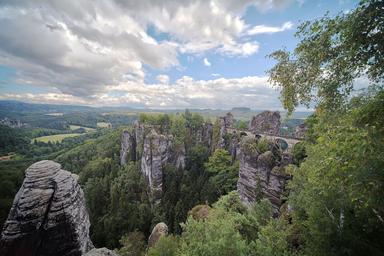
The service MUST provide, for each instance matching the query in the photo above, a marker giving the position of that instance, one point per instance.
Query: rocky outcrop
(178, 156)
(100, 252)
(301, 131)
(156, 154)
(154, 150)
(266, 122)
(262, 174)
(234, 146)
(206, 135)
(48, 215)
(226, 122)
(139, 132)
(161, 229)
(128, 147)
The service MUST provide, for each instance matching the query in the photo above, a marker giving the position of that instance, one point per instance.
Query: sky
(149, 53)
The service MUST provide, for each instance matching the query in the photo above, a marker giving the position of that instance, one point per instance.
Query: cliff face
(48, 216)
(206, 135)
(301, 131)
(128, 147)
(154, 150)
(156, 154)
(266, 122)
(226, 122)
(261, 175)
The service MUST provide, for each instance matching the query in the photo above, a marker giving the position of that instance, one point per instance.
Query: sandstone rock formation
(266, 122)
(100, 252)
(128, 147)
(234, 146)
(301, 130)
(161, 229)
(48, 215)
(154, 150)
(158, 151)
(206, 135)
(262, 174)
(226, 122)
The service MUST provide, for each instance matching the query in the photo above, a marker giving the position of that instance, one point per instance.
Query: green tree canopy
(332, 53)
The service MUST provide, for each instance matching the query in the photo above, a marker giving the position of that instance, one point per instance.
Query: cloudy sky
(148, 53)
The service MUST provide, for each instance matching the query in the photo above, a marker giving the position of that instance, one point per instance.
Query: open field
(103, 125)
(54, 114)
(56, 137)
(75, 127)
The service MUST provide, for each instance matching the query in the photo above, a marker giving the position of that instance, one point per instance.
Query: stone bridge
(290, 141)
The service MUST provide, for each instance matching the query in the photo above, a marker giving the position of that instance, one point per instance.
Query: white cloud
(240, 49)
(252, 91)
(84, 48)
(163, 79)
(206, 62)
(263, 29)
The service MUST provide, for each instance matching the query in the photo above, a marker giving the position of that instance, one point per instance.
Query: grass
(103, 125)
(75, 127)
(55, 138)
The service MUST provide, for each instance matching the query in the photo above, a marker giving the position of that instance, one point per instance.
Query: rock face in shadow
(226, 122)
(156, 154)
(266, 122)
(128, 147)
(154, 150)
(48, 216)
(161, 229)
(206, 135)
(261, 175)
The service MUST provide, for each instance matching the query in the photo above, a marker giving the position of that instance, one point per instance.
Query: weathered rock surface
(206, 135)
(161, 229)
(234, 146)
(48, 216)
(260, 176)
(101, 252)
(301, 131)
(154, 150)
(139, 131)
(128, 147)
(156, 153)
(266, 122)
(226, 122)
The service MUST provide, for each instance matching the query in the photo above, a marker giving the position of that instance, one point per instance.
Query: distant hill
(243, 109)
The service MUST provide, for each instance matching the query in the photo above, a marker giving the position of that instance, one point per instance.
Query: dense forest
(333, 203)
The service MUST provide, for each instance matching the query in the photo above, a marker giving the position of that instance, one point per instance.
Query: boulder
(48, 215)
(161, 229)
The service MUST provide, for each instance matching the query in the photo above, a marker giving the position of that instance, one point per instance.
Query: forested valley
(187, 183)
